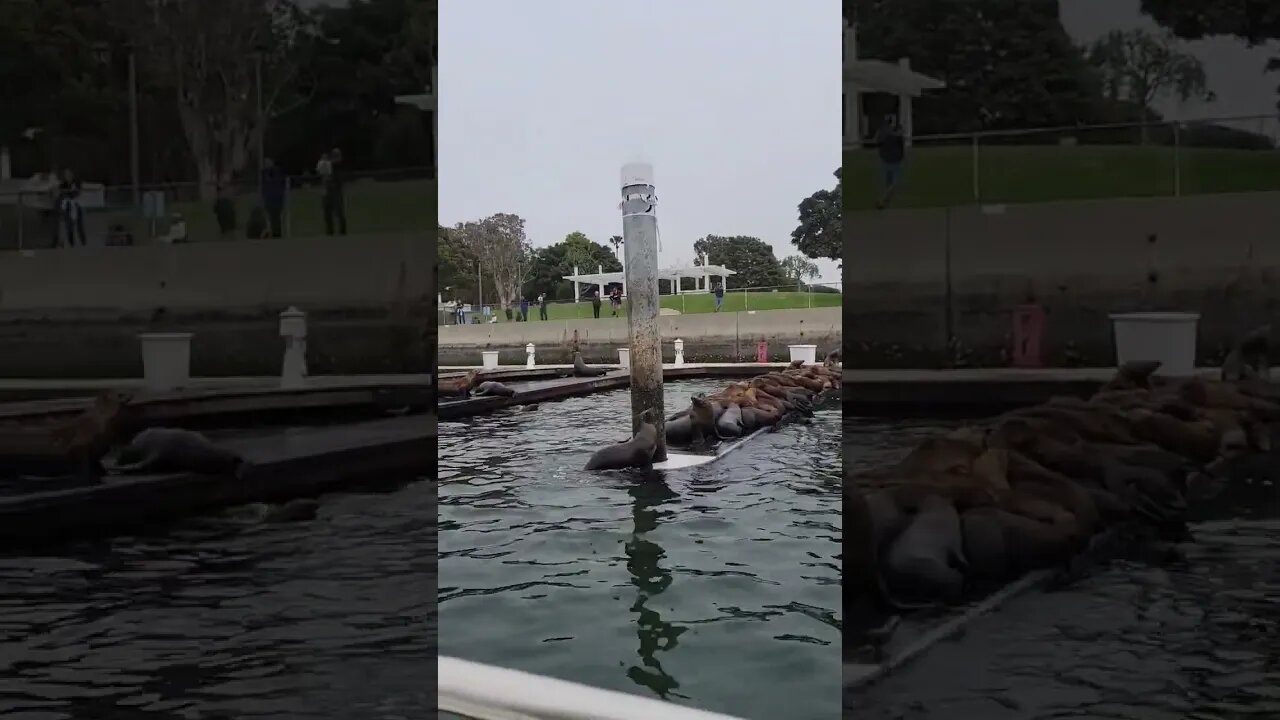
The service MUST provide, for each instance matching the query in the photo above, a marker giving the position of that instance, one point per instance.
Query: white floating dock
(485, 692)
(679, 460)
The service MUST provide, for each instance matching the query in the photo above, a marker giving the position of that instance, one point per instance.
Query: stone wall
(76, 312)
(915, 278)
(708, 337)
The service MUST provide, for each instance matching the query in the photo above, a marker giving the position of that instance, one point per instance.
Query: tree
(552, 263)
(820, 233)
(1140, 66)
(1254, 21)
(1006, 63)
(750, 258)
(499, 244)
(797, 269)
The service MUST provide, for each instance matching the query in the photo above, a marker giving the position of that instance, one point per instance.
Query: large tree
(1254, 21)
(750, 258)
(499, 245)
(820, 233)
(552, 263)
(797, 269)
(1139, 66)
(1006, 63)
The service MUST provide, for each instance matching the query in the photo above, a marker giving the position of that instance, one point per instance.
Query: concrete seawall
(916, 278)
(708, 337)
(75, 312)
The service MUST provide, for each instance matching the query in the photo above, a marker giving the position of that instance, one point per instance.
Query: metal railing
(1170, 158)
(753, 299)
(400, 200)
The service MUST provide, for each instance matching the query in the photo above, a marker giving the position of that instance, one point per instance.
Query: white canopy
(695, 271)
(887, 77)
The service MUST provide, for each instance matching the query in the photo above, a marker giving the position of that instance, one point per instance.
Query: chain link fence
(1210, 155)
(752, 299)
(35, 214)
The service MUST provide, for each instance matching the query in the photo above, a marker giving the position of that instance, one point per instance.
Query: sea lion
(494, 388)
(162, 450)
(832, 358)
(1248, 359)
(1000, 545)
(702, 422)
(926, 560)
(581, 369)
(454, 386)
(1133, 374)
(70, 447)
(796, 364)
(729, 422)
(636, 452)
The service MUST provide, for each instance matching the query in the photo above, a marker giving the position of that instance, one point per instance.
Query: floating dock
(224, 402)
(286, 463)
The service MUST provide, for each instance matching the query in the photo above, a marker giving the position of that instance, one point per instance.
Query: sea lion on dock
(703, 431)
(88, 437)
(581, 369)
(832, 358)
(926, 561)
(1133, 374)
(1248, 360)
(1000, 545)
(173, 450)
(729, 422)
(454, 386)
(636, 452)
(493, 388)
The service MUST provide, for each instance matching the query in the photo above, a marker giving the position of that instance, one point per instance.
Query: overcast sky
(1235, 71)
(736, 103)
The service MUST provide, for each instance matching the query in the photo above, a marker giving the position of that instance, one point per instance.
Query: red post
(762, 352)
(1028, 336)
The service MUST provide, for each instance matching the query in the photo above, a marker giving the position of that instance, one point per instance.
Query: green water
(715, 587)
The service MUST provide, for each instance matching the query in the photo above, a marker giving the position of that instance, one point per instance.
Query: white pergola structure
(426, 103)
(700, 273)
(865, 75)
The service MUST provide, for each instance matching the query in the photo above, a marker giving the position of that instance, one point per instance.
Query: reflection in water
(650, 578)
(1136, 638)
(714, 587)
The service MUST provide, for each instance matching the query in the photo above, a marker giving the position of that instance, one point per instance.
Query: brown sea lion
(636, 452)
(1248, 359)
(1133, 374)
(494, 388)
(702, 422)
(462, 385)
(581, 369)
(833, 358)
(926, 560)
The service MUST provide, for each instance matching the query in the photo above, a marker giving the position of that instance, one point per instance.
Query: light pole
(102, 54)
(261, 121)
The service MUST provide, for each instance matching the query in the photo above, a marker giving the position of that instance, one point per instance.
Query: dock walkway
(286, 463)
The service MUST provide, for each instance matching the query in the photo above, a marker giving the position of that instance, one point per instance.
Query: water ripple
(715, 586)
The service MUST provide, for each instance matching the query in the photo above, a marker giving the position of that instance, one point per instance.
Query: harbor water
(716, 587)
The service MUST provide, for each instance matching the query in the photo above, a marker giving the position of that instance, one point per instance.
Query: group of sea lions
(974, 508)
(470, 385)
(77, 446)
(744, 407)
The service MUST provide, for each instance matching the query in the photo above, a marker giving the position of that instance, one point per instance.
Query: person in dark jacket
(524, 309)
(273, 192)
(542, 306)
(335, 209)
(892, 148)
(595, 302)
(69, 206)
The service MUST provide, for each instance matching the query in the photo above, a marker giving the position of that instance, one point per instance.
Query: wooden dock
(286, 464)
(225, 402)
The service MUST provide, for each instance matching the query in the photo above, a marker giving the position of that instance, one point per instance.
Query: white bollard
(624, 357)
(528, 349)
(679, 352)
(293, 328)
(488, 359)
(804, 353)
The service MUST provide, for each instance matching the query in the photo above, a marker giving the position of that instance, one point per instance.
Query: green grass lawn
(689, 304)
(372, 207)
(1037, 173)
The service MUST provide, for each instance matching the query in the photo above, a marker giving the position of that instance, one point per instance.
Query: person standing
(615, 299)
(892, 148)
(524, 309)
(542, 306)
(331, 175)
(69, 205)
(595, 302)
(459, 312)
(506, 308)
(273, 191)
(718, 291)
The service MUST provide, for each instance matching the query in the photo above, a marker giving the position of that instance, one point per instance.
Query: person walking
(71, 210)
(524, 309)
(331, 175)
(718, 291)
(892, 148)
(595, 302)
(542, 306)
(273, 191)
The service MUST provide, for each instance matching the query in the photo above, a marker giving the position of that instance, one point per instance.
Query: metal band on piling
(640, 241)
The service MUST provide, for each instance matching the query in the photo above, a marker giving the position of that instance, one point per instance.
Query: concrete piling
(640, 240)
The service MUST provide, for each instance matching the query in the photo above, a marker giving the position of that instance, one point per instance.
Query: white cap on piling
(637, 173)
